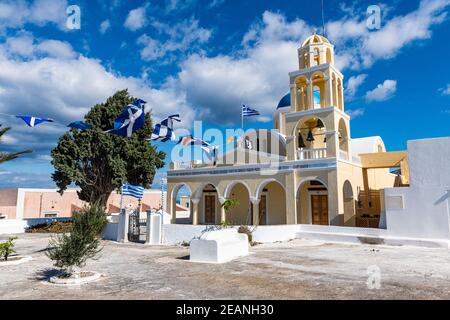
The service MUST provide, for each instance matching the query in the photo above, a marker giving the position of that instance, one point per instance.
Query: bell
(310, 136)
(325, 140)
(319, 124)
(301, 143)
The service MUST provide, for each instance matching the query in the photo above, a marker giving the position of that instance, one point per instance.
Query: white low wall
(176, 233)
(267, 234)
(111, 231)
(418, 212)
(12, 226)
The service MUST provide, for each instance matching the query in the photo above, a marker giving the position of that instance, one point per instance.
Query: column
(309, 95)
(291, 197)
(223, 214)
(148, 227)
(173, 210)
(328, 91)
(366, 190)
(255, 205)
(294, 97)
(195, 213)
(122, 227)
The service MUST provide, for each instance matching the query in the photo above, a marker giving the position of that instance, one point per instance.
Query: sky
(204, 59)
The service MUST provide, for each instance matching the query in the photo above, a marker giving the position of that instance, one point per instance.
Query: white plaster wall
(111, 231)
(429, 162)
(267, 234)
(12, 226)
(176, 233)
(425, 212)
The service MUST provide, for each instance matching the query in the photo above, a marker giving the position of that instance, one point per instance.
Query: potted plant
(72, 250)
(6, 252)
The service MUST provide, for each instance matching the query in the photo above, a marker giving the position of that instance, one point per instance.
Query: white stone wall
(422, 210)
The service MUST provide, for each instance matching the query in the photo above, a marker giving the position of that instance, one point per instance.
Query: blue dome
(285, 101)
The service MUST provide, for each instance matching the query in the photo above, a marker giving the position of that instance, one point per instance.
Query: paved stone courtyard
(297, 269)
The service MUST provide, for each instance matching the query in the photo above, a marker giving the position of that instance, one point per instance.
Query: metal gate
(136, 227)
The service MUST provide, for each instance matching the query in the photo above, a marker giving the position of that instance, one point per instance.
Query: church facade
(307, 171)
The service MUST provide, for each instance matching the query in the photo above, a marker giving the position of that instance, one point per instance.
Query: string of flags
(164, 130)
(132, 118)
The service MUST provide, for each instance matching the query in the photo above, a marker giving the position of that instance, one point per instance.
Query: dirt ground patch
(297, 269)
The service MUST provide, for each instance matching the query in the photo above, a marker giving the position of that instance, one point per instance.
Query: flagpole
(242, 117)
(121, 197)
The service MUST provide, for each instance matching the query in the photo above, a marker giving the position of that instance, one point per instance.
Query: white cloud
(257, 76)
(360, 47)
(25, 46)
(445, 91)
(183, 37)
(136, 19)
(355, 113)
(104, 26)
(179, 5)
(65, 89)
(17, 13)
(383, 91)
(353, 84)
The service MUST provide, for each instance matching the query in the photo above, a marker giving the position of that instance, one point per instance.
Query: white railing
(343, 155)
(189, 165)
(308, 154)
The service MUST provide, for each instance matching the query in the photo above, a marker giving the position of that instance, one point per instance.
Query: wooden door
(210, 209)
(263, 210)
(319, 209)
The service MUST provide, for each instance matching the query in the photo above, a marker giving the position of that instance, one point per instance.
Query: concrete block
(219, 246)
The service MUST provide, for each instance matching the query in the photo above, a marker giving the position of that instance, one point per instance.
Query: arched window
(316, 56)
(317, 97)
(329, 57)
(340, 96)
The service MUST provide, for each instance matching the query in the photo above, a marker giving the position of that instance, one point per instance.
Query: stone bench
(219, 246)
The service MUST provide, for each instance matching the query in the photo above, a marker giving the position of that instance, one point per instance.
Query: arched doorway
(209, 205)
(181, 205)
(349, 204)
(343, 140)
(242, 213)
(312, 203)
(272, 203)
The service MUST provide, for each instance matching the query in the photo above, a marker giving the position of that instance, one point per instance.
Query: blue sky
(203, 59)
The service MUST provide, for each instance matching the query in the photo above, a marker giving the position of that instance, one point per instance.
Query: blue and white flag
(131, 119)
(248, 112)
(33, 121)
(133, 191)
(79, 125)
(191, 141)
(164, 131)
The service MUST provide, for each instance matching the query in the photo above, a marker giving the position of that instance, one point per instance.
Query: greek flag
(79, 125)
(248, 112)
(164, 131)
(191, 141)
(133, 191)
(33, 121)
(130, 120)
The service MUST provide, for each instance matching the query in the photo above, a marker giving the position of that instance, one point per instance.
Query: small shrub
(224, 225)
(246, 230)
(81, 244)
(7, 248)
(185, 243)
(54, 227)
(229, 204)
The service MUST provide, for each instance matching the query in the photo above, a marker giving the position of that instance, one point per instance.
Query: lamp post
(163, 189)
